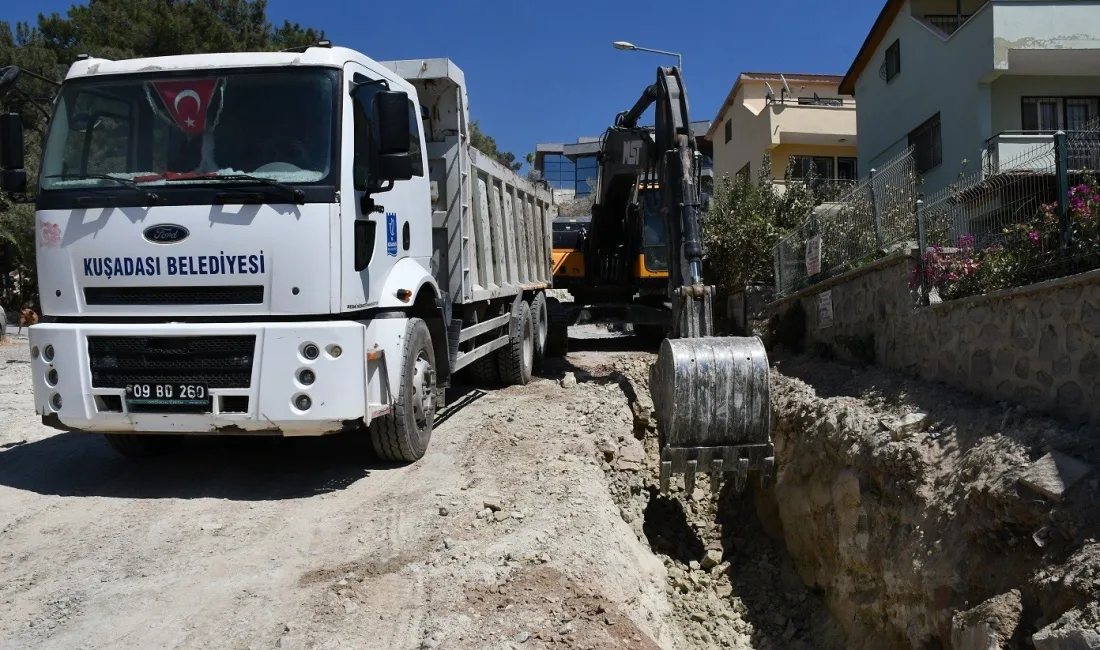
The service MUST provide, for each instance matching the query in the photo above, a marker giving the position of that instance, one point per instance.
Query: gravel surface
(505, 535)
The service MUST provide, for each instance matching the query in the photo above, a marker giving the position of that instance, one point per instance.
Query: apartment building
(802, 118)
(973, 80)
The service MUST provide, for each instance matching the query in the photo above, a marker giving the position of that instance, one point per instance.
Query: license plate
(168, 394)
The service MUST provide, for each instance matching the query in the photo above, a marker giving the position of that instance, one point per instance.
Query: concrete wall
(1044, 25)
(1038, 346)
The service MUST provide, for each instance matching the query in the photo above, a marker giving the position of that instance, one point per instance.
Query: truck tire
(557, 330)
(484, 370)
(139, 445)
(542, 326)
(516, 359)
(403, 433)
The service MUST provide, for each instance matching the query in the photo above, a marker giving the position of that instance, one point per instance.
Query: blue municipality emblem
(391, 234)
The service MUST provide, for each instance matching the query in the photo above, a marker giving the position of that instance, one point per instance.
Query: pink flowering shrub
(1029, 251)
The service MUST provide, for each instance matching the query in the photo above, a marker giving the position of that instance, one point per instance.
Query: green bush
(745, 222)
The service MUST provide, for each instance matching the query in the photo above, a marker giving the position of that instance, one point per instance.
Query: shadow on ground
(244, 468)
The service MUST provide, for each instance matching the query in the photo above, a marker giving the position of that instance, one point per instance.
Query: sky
(547, 71)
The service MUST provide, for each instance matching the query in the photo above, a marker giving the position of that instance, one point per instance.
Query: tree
(114, 29)
(488, 146)
(745, 222)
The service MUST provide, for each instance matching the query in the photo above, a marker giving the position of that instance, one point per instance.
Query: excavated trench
(871, 538)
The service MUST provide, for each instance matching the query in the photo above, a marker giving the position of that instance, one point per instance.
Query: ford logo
(166, 233)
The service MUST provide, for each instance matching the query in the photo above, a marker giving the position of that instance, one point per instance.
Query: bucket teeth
(766, 475)
(742, 474)
(666, 474)
(689, 477)
(715, 475)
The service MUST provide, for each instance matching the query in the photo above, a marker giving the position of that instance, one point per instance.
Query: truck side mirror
(395, 158)
(13, 176)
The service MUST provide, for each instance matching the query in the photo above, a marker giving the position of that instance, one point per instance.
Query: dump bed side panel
(490, 227)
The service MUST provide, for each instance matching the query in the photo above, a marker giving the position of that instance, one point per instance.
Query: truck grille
(218, 361)
(231, 295)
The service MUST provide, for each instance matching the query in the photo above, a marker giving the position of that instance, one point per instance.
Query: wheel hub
(423, 385)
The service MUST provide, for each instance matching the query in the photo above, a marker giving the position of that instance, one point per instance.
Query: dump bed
(491, 228)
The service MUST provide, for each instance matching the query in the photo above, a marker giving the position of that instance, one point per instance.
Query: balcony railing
(827, 190)
(1033, 151)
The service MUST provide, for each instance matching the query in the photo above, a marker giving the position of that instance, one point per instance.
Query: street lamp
(626, 45)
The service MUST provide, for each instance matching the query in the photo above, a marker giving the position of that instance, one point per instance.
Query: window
(822, 166)
(892, 66)
(414, 143)
(559, 171)
(276, 124)
(847, 169)
(743, 174)
(925, 140)
(1053, 113)
(588, 172)
(729, 129)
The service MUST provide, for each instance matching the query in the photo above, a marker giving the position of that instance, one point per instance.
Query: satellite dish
(8, 77)
(771, 93)
(786, 88)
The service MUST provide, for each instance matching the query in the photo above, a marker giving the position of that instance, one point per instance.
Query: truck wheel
(516, 359)
(403, 433)
(542, 327)
(557, 330)
(485, 371)
(138, 445)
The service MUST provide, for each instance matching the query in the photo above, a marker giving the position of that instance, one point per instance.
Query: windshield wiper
(126, 182)
(297, 195)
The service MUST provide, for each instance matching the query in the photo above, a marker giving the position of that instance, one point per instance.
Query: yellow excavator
(642, 255)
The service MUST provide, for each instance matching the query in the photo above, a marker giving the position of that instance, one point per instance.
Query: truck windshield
(155, 130)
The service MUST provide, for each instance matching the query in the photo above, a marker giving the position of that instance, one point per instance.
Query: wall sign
(825, 309)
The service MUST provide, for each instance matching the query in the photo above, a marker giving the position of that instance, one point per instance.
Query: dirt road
(506, 534)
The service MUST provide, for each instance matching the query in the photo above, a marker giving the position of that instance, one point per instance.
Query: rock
(608, 450)
(988, 626)
(350, 606)
(1077, 629)
(484, 514)
(494, 503)
(712, 559)
(522, 637)
(909, 425)
(500, 515)
(693, 565)
(790, 631)
(517, 515)
(698, 495)
(780, 619)
(569, 380)
(443, 512)
(1053, 474)
(447, 543)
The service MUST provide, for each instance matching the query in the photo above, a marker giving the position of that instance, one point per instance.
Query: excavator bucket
(712, 399)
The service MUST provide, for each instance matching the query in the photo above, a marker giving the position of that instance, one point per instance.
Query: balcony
(1033, 151)
(815, 120)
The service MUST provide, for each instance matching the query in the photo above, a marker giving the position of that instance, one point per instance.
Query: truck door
(399, 226)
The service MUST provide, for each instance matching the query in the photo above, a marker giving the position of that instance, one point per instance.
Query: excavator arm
(711, 394)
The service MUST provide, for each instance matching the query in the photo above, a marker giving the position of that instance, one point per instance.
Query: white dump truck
(295, 243)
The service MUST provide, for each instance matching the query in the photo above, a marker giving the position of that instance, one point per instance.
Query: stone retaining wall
(1038, 345)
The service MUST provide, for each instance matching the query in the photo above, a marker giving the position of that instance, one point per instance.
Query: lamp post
(624, 45)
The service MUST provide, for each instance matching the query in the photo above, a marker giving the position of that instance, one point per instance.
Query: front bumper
(266, 404)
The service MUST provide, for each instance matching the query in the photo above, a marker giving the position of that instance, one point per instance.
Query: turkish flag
(187, 101)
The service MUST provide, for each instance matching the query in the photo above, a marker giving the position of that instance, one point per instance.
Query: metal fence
(1026, 217)
(869, 220)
